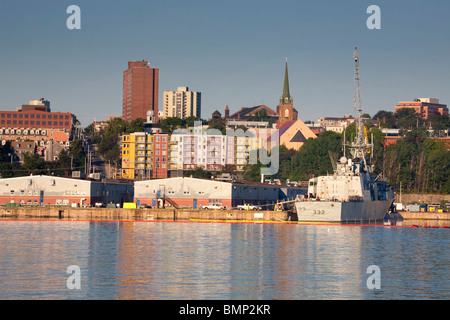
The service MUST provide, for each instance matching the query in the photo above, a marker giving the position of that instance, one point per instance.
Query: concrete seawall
(410, 215)
(140, 214)
(172, 214)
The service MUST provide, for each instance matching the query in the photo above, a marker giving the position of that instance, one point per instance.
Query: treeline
(418, 164)
(108, 139)
(407, 119)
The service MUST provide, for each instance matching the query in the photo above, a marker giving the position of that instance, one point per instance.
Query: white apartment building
(189, 149)
(181, 103)
(337, 125)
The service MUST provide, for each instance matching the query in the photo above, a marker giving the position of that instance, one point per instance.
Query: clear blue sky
(231, 51)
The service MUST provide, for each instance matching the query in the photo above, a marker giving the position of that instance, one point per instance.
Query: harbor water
(192, 260)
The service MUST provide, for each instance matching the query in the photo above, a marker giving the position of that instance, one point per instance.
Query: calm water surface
(152, 260)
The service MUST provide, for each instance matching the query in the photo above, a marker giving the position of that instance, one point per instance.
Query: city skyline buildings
(237, 50)
(182, 103)
(140, 90)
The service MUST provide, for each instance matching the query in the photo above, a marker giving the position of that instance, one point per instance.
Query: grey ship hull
(331, 211)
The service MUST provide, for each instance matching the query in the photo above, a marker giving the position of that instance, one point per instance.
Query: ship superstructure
(351, 192)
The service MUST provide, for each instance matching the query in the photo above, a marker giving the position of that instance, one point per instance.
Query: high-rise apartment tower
(140, 90)
(181, 103)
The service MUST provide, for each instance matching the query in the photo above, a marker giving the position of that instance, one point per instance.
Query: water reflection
(147, 260)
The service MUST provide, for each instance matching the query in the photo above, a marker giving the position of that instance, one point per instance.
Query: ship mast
(359, 145)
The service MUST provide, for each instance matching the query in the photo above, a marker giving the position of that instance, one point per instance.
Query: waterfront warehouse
(195, 193)
(50, 190)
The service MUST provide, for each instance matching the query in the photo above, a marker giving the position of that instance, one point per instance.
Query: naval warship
(351, 193)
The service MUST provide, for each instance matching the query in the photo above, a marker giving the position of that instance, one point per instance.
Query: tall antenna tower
(360, 145)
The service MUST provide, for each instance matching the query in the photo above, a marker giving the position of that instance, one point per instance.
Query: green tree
(218, 124)
(438, 122)
(198, 172)
(418, 163)
(169, 125)
(408, 118)
(313, 158)
(34, 164)
(135, 125)
(386, 119)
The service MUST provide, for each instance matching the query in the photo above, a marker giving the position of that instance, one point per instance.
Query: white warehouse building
(194, 192)
(51, 190)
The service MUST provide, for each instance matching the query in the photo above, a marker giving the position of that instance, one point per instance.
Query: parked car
(214, 207)
(248, 207)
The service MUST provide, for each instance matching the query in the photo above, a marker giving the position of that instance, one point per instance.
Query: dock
(172, 214)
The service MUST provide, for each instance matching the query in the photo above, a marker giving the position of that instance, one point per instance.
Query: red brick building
(140, 90)
(160, 155)
(35, 119)
(424, 107)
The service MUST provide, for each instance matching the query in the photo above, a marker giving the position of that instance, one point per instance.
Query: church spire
(286, 84)
(286, 97)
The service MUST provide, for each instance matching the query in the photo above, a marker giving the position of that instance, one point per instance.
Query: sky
(233, 52)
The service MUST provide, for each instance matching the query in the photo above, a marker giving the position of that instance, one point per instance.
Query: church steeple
(285, 108)
(286, 98)
(286, 83)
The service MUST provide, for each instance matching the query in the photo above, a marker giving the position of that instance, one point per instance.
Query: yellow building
(137, 156)
(242, 149)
